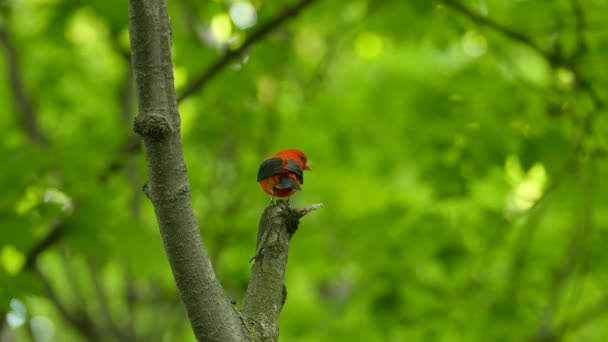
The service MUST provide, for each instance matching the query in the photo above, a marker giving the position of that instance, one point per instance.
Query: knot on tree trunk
(152, 125)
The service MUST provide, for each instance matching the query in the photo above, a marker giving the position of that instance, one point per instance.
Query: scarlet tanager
(282, 174)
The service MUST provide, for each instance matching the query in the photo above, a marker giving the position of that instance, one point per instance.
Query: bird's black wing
(270, 167)
(295, 168)
(287, 182)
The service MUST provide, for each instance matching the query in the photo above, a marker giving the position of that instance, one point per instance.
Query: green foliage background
(462, 167)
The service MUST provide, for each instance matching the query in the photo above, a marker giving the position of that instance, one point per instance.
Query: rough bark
(266, 292)
(212, 315)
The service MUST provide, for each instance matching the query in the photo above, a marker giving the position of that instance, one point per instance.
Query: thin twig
(520, 37)
(523, 241)
(579, 50)
(23, 103)
(261, 33)
(579, 29)
(102, 299)
(79, 320)
(126, 98)
(191, 20)
(595, 312)
(579, 237)
(131, 146)
(130, 293)
(586, 86)
(51, 238)
(72, 280)
(309, 209)
(554, 58)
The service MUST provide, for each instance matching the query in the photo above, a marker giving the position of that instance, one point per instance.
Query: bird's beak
(308, 166)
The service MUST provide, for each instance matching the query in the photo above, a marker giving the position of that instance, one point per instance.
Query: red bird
(282, 174)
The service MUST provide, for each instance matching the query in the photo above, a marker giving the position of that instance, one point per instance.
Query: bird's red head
(297, 155)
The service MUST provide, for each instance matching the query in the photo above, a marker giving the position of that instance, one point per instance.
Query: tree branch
(189, 11)
(260, 34)
(525, 238)
(130, 147)
(579, 236)
(23, 103)
(595, 312)
(109, 324)
(79, 320)
(520, 37)
(579, 50)
(266, 292)
(579, 28)
(554, 58)
(50, 239)
(212, 315)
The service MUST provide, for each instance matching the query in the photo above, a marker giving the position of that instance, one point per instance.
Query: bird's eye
(303, 157)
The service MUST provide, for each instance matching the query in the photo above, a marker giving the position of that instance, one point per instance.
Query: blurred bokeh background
(459, 147)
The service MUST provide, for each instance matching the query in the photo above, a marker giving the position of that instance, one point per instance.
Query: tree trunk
(213, 316)
(211, 313)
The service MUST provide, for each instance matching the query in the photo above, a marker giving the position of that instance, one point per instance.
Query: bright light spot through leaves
(353, 11)
(267, 91)
(369, 45)
(310, 46)
(42, 328)
(513, 172)
(180, 75)
(474, 44)
(221, 27)
(565, 78)
(16, 317)
(85, 29)
(243, 15)
(12, 259)
(527, 187)
(56, 196)
(30, 200)
(531, 67)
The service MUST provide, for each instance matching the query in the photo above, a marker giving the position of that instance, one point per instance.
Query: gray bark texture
(266, 292)
(212, 315)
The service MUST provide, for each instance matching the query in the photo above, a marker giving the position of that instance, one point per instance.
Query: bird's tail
(287, 182)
